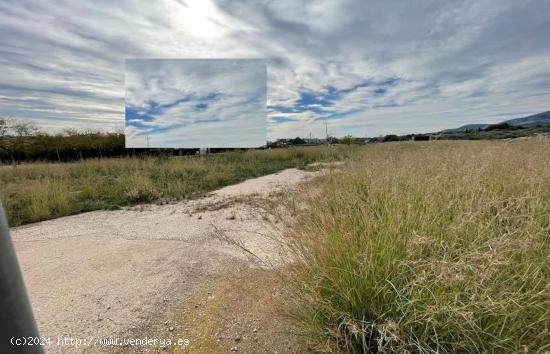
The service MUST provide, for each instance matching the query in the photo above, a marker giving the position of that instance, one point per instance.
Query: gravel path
(111, 273)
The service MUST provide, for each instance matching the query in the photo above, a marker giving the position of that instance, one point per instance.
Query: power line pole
(326, 130)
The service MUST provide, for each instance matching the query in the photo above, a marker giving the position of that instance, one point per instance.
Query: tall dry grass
(38, 192)
(436, 247)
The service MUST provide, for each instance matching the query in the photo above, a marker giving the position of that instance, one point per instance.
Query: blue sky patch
(282, 119)
(192, 103)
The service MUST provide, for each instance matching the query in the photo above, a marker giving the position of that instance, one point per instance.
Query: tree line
(23, 141)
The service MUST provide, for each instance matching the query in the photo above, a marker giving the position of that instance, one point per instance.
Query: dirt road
(173, 271)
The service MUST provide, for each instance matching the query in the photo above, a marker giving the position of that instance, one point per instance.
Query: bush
(348, 140)
(391, 137)
(297, 141)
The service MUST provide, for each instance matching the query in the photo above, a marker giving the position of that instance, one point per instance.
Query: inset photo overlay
(195, 103)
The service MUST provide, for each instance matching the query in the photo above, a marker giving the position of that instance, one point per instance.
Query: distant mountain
(465, 128)
(539, 119)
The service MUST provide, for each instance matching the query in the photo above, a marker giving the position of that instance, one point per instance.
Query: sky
(195, 103)
(365, 67)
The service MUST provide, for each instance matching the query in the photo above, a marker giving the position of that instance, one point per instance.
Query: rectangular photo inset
(195, 103)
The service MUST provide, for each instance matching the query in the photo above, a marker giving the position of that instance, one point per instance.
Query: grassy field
(435, 247)
(419, 247)
(38, 192)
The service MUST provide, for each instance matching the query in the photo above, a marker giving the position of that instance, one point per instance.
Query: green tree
(297, 141)
(348, 140)
(15, 135)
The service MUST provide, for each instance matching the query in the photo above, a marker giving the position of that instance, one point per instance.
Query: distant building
(421, 137)
(315, 141)
(362, 140)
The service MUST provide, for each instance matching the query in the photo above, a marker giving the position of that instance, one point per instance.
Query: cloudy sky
(367, 67)
(190, 103)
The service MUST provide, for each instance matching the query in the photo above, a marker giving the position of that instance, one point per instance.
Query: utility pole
(326, 130)
(147, 139)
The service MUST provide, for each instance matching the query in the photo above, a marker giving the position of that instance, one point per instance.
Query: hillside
(536, 120)
(466, 128)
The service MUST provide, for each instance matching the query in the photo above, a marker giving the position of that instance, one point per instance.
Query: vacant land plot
(420, 247)
(38, 192)
(438, 247)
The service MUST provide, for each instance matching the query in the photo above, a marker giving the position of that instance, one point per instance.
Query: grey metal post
(16, 318)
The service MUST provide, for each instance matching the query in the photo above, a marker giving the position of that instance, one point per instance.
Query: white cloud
(457, 62)
(190, 103)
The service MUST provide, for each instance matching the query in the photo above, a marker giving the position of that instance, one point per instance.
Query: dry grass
(38, 192)
(438, 247)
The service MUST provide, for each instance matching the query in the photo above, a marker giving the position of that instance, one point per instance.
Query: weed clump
(439, 247)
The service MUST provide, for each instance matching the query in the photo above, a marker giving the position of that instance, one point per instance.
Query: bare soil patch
(162, 270)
